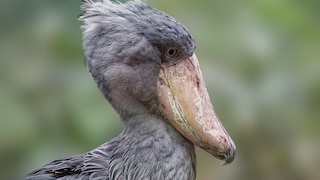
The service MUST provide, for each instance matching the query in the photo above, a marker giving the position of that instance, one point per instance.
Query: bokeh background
(260, 60)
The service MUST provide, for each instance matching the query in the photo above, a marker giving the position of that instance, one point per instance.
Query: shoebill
(144, 63)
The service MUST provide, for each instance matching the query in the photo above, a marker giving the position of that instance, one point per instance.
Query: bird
(144, 63)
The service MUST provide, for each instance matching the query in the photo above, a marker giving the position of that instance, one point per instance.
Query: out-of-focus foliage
(260, 60)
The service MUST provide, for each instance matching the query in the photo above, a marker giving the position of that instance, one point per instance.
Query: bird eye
(171, 52)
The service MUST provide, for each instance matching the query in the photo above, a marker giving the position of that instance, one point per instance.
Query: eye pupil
(171, 52)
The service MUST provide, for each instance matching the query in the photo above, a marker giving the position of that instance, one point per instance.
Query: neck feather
(151, 148)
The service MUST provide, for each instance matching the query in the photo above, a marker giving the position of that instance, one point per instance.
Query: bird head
(143, 61)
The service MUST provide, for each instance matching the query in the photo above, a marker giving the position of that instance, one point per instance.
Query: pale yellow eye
(171, 52)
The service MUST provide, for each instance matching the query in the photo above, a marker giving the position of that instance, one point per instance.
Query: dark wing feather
(93, 165)
(62, 169)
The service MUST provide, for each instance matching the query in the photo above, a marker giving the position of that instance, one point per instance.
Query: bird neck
(151, 147)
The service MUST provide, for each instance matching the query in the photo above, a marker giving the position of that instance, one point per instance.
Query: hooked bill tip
(230, 155)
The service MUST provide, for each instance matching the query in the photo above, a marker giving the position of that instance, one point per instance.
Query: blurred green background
(260, 60)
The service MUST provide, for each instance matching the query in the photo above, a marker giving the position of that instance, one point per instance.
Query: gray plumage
(124, 46)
